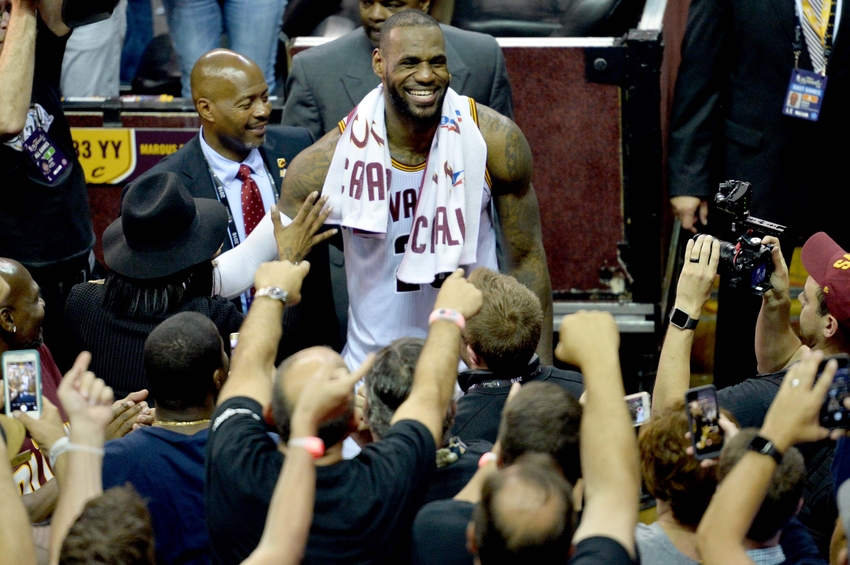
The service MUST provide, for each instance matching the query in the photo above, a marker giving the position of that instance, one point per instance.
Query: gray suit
(327, 81)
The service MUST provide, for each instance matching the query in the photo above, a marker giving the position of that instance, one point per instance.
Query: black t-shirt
(749, 401)
(42, 224)
(600, 550)
(364, 507)
(439, 533)
(479, 410)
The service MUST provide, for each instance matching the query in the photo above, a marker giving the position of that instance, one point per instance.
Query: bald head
(292, 377)
(525, 514)
(22, 311)
(217, 71)
(232, 100)
(15, 276)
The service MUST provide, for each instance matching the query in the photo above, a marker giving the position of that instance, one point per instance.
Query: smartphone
(704, 421)
(833, 414)
(22, 381)
(639, 407)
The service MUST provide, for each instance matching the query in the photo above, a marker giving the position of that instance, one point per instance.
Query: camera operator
(824, 321)
(44, 216)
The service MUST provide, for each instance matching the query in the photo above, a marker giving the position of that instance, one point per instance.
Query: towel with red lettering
(449, 204)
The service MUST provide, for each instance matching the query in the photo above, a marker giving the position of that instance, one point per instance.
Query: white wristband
(448, 315)
(64, 445)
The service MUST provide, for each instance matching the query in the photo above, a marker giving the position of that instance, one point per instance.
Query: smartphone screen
(22, 382)
(833, 414)
(639, 407)
(703, 419)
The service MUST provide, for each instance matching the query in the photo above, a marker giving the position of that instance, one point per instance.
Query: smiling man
(419, 178)
(327, 81)
(236, 158)
(239, 159)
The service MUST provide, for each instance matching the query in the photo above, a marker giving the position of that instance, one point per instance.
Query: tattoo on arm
(521, 240)
(307, 174)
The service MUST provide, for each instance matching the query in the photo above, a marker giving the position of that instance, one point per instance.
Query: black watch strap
(682, 319)
(765, 447)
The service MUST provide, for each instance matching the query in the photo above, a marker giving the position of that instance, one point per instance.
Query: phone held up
(639, 407)
(704, 421)
(833, 414)
(22, 382)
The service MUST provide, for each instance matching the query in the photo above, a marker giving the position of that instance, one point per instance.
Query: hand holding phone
(22, 382)
(704, 421)
(833, 414)
(639, 407)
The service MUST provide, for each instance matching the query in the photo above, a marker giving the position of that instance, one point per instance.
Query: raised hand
(458, 294)
(85, 398)
(586, 336)
(285, 275)
(779, 279)
(793, 416)
(702, 257)
(296, 240)
(328, 395)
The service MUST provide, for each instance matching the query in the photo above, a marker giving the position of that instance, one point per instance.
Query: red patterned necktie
(252, 202)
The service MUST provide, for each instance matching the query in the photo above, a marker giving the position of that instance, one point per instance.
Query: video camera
(747, 261)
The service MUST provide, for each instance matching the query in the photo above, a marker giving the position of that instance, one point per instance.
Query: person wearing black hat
(160, 254)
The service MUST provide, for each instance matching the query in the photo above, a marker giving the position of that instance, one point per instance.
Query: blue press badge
(47, 157)
(805, 95)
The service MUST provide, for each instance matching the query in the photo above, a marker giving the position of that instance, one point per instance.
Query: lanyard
(222, 197)
(495, 383)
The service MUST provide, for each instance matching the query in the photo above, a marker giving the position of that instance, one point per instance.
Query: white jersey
(382, 308)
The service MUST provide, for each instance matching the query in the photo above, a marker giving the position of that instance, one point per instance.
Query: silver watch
(273, 292)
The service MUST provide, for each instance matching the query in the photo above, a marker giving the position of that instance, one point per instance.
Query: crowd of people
(237, 390)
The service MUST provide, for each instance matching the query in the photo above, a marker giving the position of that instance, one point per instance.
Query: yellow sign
(107, 155)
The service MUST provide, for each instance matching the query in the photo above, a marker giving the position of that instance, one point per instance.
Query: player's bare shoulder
(508, 153)
(306, 174)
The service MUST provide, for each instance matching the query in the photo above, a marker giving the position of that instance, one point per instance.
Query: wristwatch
(682, 319)
(273, 292)
(765, 447)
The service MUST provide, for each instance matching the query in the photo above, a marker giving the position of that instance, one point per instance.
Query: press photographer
(824, 326)
(44, 218)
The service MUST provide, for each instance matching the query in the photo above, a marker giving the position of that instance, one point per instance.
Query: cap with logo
(829, 266)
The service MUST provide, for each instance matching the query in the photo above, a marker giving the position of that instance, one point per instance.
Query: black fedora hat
(162, 229)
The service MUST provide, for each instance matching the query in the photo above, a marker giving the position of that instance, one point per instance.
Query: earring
(14, 329)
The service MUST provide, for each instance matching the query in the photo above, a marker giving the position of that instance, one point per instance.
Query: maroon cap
(829, 265)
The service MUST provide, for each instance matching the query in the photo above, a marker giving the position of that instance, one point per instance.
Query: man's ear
(475, 359)
(425, 5)
(471, 545)
(268, 415)
(203, 107)
(7, 319)
(378, 63)
(830, 327)
(219, 377)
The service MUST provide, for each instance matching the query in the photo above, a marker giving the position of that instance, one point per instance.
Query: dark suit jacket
(727, 120)
(313, 322)
(327, 81)
(281, 143)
